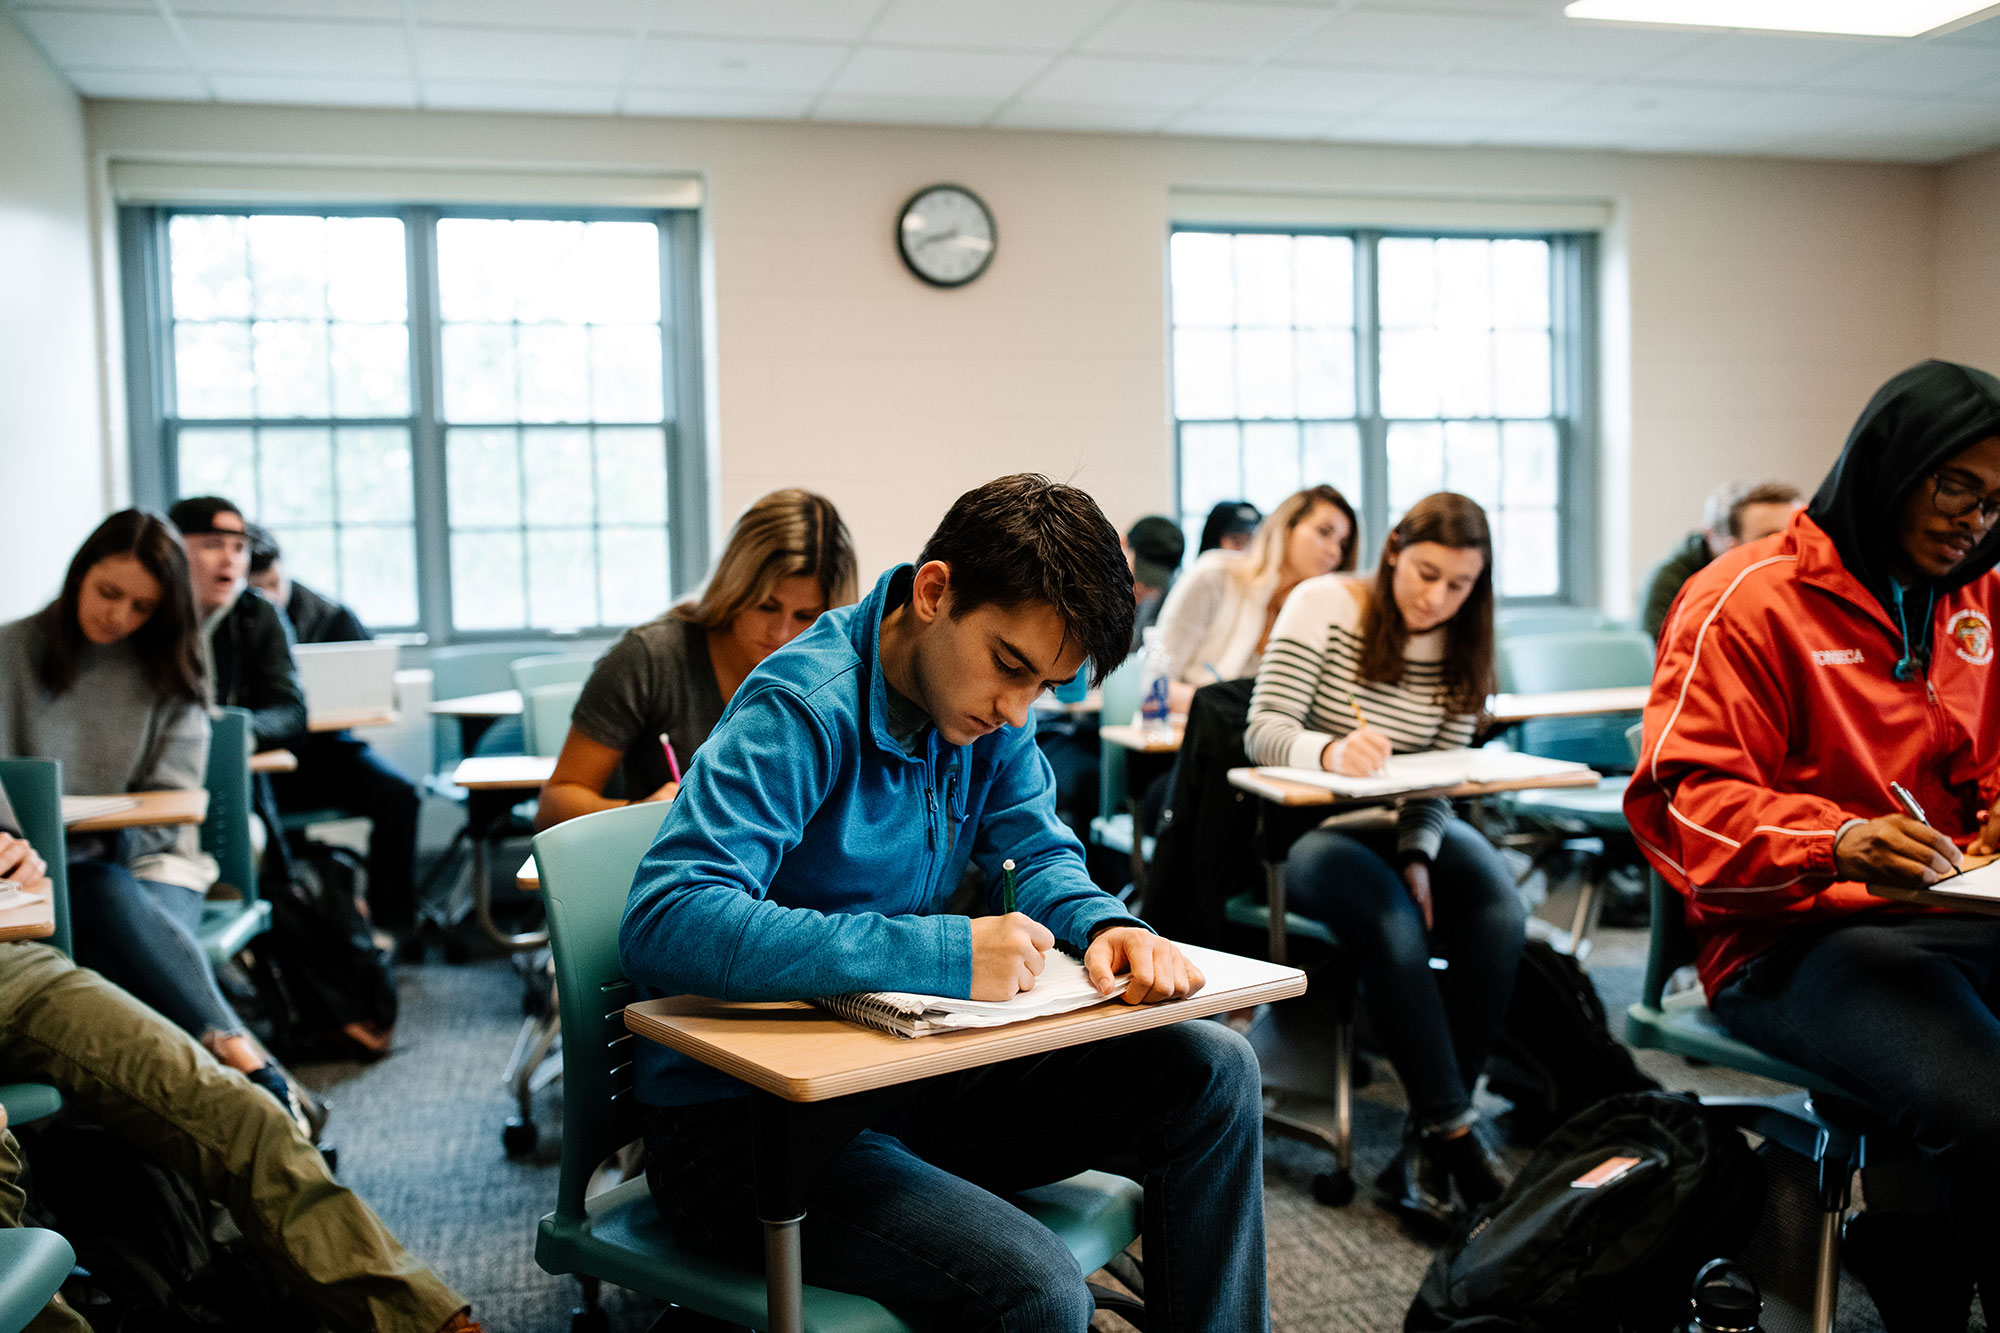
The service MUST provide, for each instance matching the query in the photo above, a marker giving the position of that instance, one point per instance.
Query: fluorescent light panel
(1866, 18)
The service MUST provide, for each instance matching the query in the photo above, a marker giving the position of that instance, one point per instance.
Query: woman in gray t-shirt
(667, 682)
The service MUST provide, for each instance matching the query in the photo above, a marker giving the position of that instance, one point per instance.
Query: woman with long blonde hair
(1218, 617)
(665, 683)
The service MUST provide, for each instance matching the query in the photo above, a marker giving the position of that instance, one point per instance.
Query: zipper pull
(1930, 689)
(930, 825)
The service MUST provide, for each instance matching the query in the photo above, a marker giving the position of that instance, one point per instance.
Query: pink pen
(673, 760)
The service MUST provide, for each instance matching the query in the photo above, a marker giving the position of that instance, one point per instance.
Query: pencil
(673, 760)
(1355, 704)
(1007, 890)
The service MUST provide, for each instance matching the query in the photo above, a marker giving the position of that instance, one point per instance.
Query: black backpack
(325, 987)
(1675, 1188)
(1555, 1056)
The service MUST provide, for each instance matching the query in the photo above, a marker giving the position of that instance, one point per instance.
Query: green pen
(1007, 887)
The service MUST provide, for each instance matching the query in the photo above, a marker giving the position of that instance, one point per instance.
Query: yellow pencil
(1355, 703)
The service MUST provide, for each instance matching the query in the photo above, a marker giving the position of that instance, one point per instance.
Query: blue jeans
(141, 936)
(1901, 1011)
(1437, 1028)
(910, 1213)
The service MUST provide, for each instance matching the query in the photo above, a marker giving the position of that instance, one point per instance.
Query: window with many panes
(1390, 366)
(458, 424)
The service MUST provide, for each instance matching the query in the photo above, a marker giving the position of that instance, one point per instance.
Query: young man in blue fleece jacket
(811, 851)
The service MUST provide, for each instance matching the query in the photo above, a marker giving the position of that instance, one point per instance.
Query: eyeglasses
(1955, 500)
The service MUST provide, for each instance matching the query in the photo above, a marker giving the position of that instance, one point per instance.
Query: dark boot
(1471, 1165)
(1417, 1188)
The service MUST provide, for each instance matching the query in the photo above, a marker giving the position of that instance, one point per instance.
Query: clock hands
(933, 240)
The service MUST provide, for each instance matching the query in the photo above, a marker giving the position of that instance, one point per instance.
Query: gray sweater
(111, 731)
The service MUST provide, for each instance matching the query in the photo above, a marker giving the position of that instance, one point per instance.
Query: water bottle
(1155, 671)
(1725, 1299)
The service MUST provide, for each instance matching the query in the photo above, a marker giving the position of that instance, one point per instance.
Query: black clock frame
(992, 227)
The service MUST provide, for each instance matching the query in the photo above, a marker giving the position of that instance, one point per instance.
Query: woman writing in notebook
(108, 680)
(652, 700)
(1359, 669)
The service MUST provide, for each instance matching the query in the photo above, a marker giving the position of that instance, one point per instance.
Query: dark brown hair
(168, 644)
(1453, 520)
(1024, 539)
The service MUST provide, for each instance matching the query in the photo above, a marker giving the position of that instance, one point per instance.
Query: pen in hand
(1008, 892)
(1915, 811)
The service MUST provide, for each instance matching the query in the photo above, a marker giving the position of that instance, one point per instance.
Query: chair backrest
(1547, 620)
(1576, 660)
(473, 669)
(545, 711)
(1669, 945)
(551, 669)
(34, 789)
(1119, 705)
(587, 866)
(225, 830)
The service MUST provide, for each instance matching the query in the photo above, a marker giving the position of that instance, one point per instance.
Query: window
(461, 424)
(1390, 366)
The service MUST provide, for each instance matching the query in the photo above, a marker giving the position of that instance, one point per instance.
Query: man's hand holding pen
(1897, 850)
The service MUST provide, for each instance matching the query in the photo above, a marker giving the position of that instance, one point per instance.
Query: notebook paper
(76, 809)
(1428, 770)
(1062, 986)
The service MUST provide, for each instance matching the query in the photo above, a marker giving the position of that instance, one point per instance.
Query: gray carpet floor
(419, 1138)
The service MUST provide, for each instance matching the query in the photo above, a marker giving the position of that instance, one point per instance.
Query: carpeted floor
(419, 1138)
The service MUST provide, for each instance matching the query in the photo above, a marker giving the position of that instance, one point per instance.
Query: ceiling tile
(519, 95)
(1089, 79)
(381, 11)
(1588, 50)
(1246, 124)
(295, 89)
(105, 41)
(258, 46)
(694, 62)
(950, 75)
(1330, 91)
(763, 105)
(611, 15)
(1199, 28)
(1760, 60)
(1473, 96)
(1087, 116)
(1444, 131)
(1643, 106)
(143, 85)
(878, 110)
(482, 55)
(1917, 69)
(794, 20)
(1427, 42)
(1018, 25)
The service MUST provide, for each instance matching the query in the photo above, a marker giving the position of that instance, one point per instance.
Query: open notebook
(1062, 987)
(1429, 770)
(1980, 878)
(76, 809)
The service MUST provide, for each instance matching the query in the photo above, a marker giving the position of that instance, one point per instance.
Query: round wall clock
(946, 235)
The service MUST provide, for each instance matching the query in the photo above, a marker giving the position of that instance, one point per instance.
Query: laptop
(347, 677)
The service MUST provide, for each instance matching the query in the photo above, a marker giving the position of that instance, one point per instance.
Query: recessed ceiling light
(1867, 18)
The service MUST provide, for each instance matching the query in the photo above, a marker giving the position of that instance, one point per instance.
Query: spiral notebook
(1432, 770)
(1062, 987)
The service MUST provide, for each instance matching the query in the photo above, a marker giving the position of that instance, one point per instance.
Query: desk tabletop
(1133, 737)
(342, 719)
(147, 808)
(274, 761)
(1091, 702)
(528, 879)
(498, 703)
(1282, 791)
(492, 772)
(29, 921)
(1507, 709)
(804, 1054)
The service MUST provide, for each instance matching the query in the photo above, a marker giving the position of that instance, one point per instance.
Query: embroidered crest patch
(1971, 637)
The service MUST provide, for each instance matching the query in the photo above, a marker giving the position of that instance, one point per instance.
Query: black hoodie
(1916, 422)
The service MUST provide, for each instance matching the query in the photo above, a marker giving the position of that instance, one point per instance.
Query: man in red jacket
(1798, 677)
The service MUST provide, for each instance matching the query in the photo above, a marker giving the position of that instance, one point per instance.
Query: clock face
(946, 235)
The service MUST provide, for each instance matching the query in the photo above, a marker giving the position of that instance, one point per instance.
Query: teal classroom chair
(1518, 621)
(545, 711)
(587, 866)
(1115, 826)
(466, 669)
(34, 789)
(551, 669)
(33, 1266)
(228, 924)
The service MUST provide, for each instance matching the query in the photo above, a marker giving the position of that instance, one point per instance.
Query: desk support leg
(784, 1289)
(482, 881)
(1274, 897)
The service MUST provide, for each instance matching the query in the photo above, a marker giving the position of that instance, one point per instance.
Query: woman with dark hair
(1359, 669)
(107, 679)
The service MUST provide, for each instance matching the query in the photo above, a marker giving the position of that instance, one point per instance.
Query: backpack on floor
(1604, 1228)
(1555, 1055)
(326, 987)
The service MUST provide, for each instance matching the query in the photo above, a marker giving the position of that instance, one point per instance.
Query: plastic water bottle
(1725, 1299)
(1155, 671)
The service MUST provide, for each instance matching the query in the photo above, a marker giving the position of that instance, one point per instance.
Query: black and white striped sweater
(1300, 704)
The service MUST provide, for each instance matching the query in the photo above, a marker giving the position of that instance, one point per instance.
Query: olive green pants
(122, 1067)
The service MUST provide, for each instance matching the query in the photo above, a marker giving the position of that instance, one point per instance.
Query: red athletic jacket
(1776, 716)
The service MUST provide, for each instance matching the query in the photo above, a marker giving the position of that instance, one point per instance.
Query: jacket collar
(891, 590)
(1819, 564)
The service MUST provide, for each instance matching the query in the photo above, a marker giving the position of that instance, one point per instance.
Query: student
(1229, 527)
(1412, 650)
(107, 679)
(811, 851)
(788, 560)
(1736, 514)
(1153, 549)
(337, 770)
(1797, 679)
(1217, 620)
(121, 1066)
(245, 640)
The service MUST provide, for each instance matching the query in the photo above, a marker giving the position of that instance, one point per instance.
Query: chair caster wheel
(1335, 1189)
(593, 1320)
(518, 1137)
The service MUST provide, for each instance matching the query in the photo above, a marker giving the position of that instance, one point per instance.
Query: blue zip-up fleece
(808, 854)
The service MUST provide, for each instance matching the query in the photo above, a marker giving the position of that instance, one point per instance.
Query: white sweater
(1212, 618)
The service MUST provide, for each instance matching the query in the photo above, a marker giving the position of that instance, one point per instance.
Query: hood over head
(1916, 422)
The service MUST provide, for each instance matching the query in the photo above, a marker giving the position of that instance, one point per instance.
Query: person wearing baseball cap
(1230, 526)
(1153, 546)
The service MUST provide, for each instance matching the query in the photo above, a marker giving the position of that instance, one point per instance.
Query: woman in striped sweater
(1411, 651)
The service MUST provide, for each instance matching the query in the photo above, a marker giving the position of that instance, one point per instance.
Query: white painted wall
(52, 469)
(1751, 305)
(1968, 262)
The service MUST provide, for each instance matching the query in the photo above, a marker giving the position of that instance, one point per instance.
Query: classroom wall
(52, 446)
(1751, 305)
(1968, 262)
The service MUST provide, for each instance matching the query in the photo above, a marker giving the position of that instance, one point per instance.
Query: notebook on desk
(76, 809)
(1429, 770)
(347, 677)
